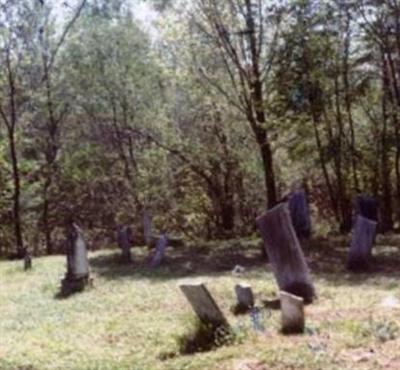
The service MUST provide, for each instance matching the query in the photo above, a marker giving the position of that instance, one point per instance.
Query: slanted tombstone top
(292, 307)
(300, 213)
(362, 241)
(285, 253)
(204, 305)
(162, 243)
(366, 206)
(77, 260)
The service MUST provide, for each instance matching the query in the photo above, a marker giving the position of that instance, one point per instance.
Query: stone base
(71, 285)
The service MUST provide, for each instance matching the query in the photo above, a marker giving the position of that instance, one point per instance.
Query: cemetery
(199, 184)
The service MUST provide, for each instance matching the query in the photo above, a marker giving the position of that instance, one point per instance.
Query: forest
(199, 184)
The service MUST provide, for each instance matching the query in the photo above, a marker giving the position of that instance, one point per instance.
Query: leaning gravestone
(292, 313)
(77, 276)
(285, 253)
(162, 243)
(245, 298)
(204, 306)
(124, 239)
(300, 214)
(366, 206)
(362, 241)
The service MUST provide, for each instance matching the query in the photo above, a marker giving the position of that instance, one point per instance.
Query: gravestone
(204, 306)
(77, 276)
(300, 214)
(245, 298)
(124, 239)
(366, 206)
(27, 261)
(162, 243)
(147, 228)
(285, 253)
(292, 313)
(362, 241)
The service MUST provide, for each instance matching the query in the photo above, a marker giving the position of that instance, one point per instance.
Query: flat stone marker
(245, 298)
(204, 305)
(292, 307)
(124, 239)
(300, 214)
(162, 243)
(77, 276)
(362, 241)
(285, 253)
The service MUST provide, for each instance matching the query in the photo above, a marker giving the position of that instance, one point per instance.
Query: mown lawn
(136, 318)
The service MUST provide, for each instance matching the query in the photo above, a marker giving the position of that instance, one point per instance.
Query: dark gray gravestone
(204, 306)
(77, 276)
(362, 241)
(285, 253)
(292, 313)
(245, 298)
(162, 243)
(300, 213)
(124, 239)
(366, 206)
(147, 228)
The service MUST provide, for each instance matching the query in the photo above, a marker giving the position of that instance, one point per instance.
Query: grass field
(136, 318)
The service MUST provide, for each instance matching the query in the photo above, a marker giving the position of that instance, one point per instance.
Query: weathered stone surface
(245, 298)
(204, 305)
(362, 241)
(300, 213)
(77, 276)
(366, 206)
(285, 253)
(124, 239)
(162, 243)
(292, 308)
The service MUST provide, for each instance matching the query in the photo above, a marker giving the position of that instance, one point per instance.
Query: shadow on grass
(327, 259)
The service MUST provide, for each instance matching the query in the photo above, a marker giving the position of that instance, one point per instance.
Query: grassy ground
(135, 318)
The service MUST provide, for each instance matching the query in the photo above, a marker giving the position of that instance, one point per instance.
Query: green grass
(136, 318)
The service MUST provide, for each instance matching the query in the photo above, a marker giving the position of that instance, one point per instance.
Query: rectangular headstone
(362, 241)
(292, 313)
(162, 243)
(300, 213)
(285, 253)
(204, 305)
(245, 298)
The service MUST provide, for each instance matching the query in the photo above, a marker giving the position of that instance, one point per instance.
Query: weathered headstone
(300, 214)
(245, 298)
(366, 206)
(147, 228)
(362, 241)
(77, 276)
(162, 243)
(204, 306)
(124, 239)
(285, 253)
(292, 313)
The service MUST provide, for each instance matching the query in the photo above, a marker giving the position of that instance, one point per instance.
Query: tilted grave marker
(161, 245)
(204, 306)
(300, 213)
(285, 253)
(292, 307)
(362, 241)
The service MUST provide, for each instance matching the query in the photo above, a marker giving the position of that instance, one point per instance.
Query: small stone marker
(124, 239)
(361, 245)
(245, 298)
(300, 214)
(162, 243)
(77, 276)
(292, 313)
(285, 253)
(204, 305)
